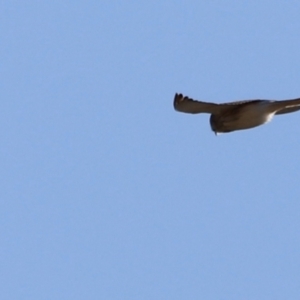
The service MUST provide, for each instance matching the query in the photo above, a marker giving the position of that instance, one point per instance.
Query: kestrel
(231, 116)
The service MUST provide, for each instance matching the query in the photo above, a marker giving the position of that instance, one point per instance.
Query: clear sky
(107, 192)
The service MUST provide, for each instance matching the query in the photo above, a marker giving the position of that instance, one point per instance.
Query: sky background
(107, 192)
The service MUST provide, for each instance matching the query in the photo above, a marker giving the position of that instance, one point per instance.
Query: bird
(238, 115)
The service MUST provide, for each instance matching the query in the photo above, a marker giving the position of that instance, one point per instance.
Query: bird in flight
(231, 116)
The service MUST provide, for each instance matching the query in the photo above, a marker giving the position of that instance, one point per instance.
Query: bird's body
(240, 115)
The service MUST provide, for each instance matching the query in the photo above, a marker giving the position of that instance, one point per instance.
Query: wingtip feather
(177, 99)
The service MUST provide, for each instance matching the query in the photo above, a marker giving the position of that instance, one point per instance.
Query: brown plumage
(231, 116)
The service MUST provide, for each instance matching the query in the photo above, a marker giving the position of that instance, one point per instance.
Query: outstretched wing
(188, 105)
(290, 106)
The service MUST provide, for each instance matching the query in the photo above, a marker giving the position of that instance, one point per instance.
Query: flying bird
(231, 116)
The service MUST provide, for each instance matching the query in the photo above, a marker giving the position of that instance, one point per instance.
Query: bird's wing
(188, 105)
(242, 102)
(282, 106)
(287, 110)
(289, 106)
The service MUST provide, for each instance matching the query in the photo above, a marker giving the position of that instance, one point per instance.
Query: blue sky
(107, 192)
